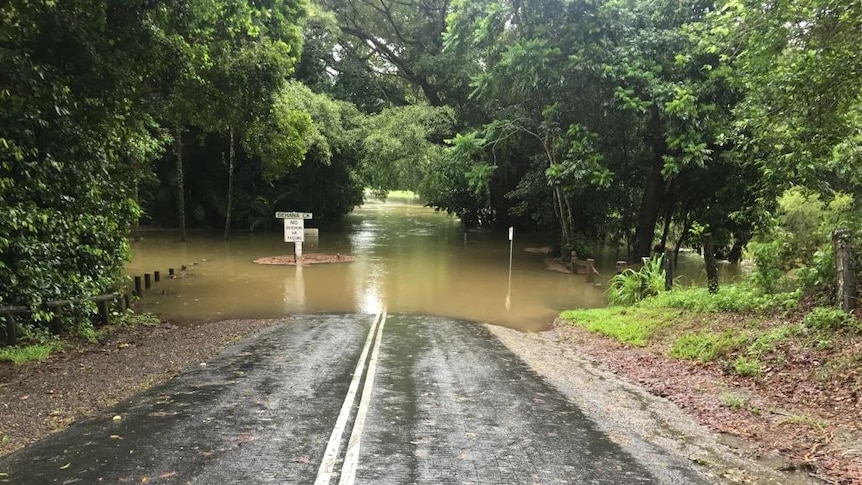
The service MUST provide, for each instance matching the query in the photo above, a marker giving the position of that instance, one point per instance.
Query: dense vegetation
(644, 123)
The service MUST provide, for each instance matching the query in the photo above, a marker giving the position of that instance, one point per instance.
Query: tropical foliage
(642, 123)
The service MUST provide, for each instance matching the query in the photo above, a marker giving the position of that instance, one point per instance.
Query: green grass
(731, 400)
(801, 420)
(633, 326)
(740, 329)
(747, 366)
(706, 346)
(29, 353)
(730, 298)
(767, 342)
(132, 318)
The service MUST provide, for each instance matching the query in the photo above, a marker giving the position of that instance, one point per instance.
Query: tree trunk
(229, 186)
(711, 267)
(564, 215)
(841, 242)
(181, 191)
(650, 203)
(686, 226)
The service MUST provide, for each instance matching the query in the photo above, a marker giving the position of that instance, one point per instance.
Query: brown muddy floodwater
(409, 259)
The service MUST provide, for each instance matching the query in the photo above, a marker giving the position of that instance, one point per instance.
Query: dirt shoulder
(745, 431)
(37, 399)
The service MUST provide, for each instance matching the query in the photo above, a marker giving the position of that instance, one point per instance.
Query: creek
(409, 259)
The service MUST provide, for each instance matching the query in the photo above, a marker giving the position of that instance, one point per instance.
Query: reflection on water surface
(408, 259)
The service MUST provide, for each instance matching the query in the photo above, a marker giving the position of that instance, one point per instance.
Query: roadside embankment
(781, 392)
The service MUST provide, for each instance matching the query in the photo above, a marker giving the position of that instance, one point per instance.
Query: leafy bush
(822, 318)
(630, 286)
(798, 251)
(769, 264)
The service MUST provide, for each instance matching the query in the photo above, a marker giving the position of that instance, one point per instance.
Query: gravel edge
(647, 426)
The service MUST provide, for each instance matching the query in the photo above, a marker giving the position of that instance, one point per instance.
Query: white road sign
(293, 233)
(294, 223)
(293, 215)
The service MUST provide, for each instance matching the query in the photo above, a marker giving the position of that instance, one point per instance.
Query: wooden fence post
(843, 246)
(11, 329)
(668, 269)
(711, 268)
(104, 313)
(56, 322)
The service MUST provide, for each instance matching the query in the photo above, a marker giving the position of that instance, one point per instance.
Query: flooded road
(409, 259)
(441, 401)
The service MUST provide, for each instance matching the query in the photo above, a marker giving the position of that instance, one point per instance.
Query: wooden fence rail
(8, 313)
(103, 302)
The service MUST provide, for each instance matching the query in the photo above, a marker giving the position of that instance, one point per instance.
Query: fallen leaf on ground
(302, 459)
(65, 466)
(167, 475)
(116, 437)
(244, 438)
(117, 417)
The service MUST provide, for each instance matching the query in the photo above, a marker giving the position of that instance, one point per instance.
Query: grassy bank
(38, 345)
(740, 330)
(784, 376)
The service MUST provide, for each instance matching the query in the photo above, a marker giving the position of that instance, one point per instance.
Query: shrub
(630, 286)
(822, 318)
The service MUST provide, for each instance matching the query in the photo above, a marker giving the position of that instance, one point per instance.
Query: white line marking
(324, 473)
(351, 458)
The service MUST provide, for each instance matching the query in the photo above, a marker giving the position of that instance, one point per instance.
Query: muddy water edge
(409, 259)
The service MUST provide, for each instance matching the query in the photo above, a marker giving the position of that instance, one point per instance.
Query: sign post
(509, 290)
(294, 230)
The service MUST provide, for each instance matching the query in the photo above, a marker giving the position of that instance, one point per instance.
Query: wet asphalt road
(434, 401)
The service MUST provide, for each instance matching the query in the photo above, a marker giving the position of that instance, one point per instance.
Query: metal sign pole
(509, 290)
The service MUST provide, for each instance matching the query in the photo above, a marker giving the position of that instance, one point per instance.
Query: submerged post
(842, 244)
(139, 289)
